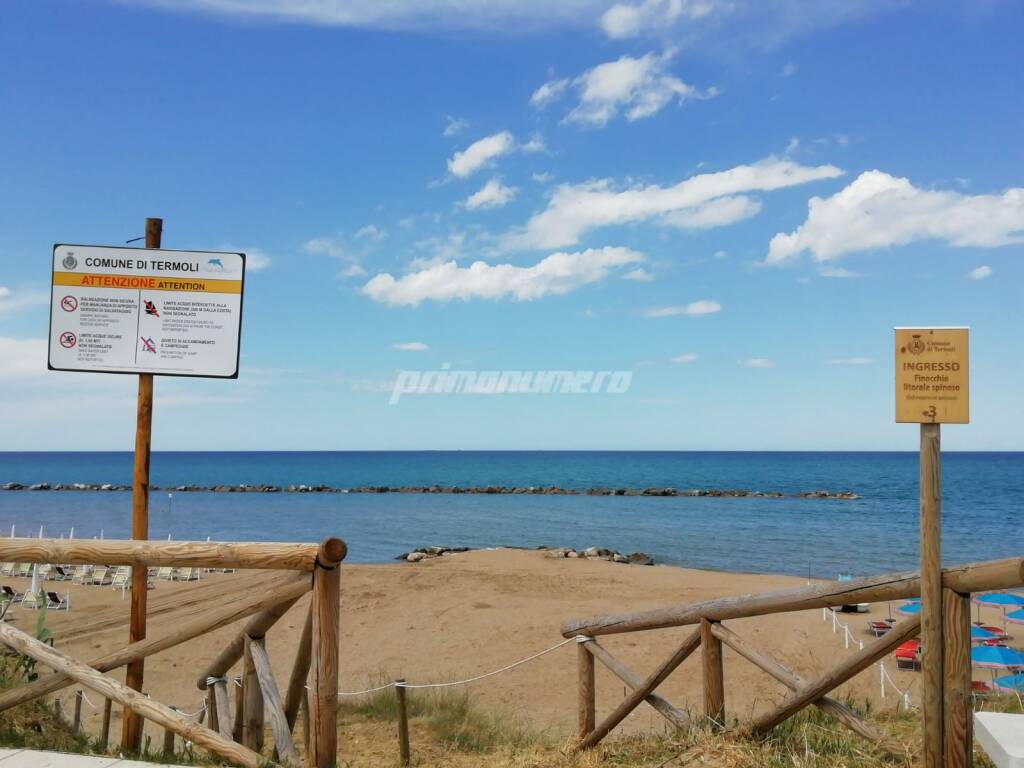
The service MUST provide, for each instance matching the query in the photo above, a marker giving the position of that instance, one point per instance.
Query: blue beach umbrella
(1010, 683)
(909, 609)
(996, 657)
(1000, 600)
(1017, 617)
(979, 633)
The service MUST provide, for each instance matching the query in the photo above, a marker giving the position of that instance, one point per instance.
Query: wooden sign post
(932, 388)
(131, 730)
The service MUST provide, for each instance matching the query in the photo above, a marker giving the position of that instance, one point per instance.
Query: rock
(591, 552)
(617, 558)
(639, 558)
(572, 553)
(415, 557)
(39, 487)
(557, 552)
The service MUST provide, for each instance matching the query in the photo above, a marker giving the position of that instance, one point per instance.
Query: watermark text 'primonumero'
(448, 382)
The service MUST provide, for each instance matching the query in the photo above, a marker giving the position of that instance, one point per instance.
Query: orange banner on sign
(148, 282)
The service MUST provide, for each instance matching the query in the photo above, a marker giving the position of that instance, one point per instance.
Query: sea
(875, 533)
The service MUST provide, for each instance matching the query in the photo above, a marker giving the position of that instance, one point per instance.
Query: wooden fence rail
(236, 738)
(711, 634)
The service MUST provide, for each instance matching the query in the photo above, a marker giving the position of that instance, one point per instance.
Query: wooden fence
(236, 739)
(710, 634)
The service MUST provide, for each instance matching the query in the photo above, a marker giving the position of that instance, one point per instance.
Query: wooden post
(236, 728)
(403, 723)
(224, 722)
(77, 724)
(211, 707)
(323, 712)
(300, 671)
(958, 725)
(105, 727)
(931, 595)
(714, 675)
(587, 690)
(283, 743)
(168, 751)
(131, 732)
(252, 722)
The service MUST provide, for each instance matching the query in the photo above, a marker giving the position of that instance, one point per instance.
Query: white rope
(194, 714)
(86, 699)
(576, 639)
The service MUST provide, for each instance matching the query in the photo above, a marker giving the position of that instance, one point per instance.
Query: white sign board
(136, 310)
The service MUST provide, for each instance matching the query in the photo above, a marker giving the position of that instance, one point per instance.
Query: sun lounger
(45, 571)
(9, 593)
(879, 628)
(7, 569)
(166, 573)
(908, 656)
(61, 574)
(55, 602)
(187, 574)
(33, 600)
(100, 575)
(25, 570)
(82, 574)
(122, 579)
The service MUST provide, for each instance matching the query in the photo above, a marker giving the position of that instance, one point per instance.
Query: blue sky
(736, 201)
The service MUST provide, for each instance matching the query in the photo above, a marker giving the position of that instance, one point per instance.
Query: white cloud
(543, 177)
(333, 247)
(638, 275)
(788, 69)
(370, 232)
(693, 309)
(558, 273)
(684, 359)
(535, 144)
(720, 254)
(980, 273)
(638, 87)
(548, 92)
(411, 346)
(454, 126)
(493, 194)
(704, 200)
(852, 361)
(22, 358)
(837, 272)
(758, 362)
(256, 260)
(624, 20)
(877, 210)
(480, 154)
(16, 301)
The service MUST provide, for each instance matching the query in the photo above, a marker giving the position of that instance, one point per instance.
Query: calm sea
(981, 515)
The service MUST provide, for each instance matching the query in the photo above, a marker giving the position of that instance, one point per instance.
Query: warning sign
(932, 367)
(135, 310)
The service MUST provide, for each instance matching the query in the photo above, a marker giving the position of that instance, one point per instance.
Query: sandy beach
(462, 615)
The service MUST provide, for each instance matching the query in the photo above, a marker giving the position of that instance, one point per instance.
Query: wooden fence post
(931, 595)
(324, 664)
(587, 690)
(252, 721)
(105, 727)
(168, 751)
(714, 676)
(403, 723)
(77, 724)
(958, 726)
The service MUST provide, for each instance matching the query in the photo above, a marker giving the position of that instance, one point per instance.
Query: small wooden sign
(932, 368)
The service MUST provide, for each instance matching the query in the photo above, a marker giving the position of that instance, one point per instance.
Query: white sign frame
(112, 271)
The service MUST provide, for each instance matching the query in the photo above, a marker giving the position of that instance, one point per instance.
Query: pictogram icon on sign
(69, 303)
(68, 339)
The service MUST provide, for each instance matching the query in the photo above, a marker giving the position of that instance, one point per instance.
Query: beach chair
(7, 569)
(55, 602)
(81, 574)
(33, 600)
(122, 578)
(60, 573)
(187, 574)
(908, 656)
(100, 576)
(879, 628)
(25, 570)
(166, 573)
(11, 594)
(45, 571)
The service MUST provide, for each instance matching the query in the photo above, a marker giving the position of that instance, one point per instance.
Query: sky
(732, 201)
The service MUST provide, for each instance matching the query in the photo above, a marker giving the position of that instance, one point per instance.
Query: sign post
(146, 312)
(131, 729)
(932, 367)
